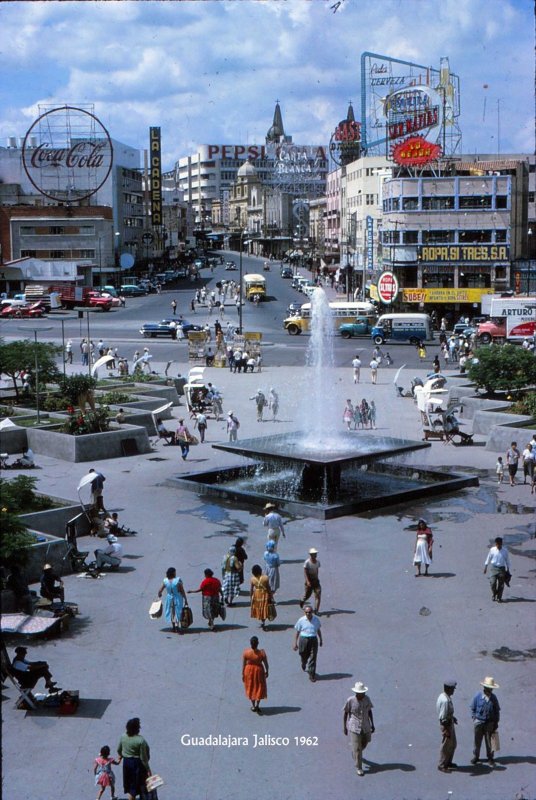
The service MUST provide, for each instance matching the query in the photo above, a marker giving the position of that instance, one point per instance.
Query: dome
(247, 169)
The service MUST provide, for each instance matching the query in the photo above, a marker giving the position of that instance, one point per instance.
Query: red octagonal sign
(387, 287)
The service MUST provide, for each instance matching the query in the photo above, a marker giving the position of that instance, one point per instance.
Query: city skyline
(212, 71)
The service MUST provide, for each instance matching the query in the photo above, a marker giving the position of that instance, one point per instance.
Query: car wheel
(378, 340)
(485, 338)
(346, 335)
(294, 330)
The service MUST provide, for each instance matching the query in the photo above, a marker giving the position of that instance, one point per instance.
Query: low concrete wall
(53, 520)
(484, 421)
(52, 551)
(12, 440)
(87, 447)
(501, 436)
(471, 405)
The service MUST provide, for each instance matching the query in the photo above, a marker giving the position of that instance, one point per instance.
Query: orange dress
(260, 598)
(254, 675)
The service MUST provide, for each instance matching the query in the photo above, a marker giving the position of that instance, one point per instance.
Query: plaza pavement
(399, 635)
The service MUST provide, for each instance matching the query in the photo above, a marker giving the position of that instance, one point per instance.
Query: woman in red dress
(254, 674)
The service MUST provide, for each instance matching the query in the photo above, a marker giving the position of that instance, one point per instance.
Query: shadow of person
(272, 711)
(441, 574)
(375, 767)
(518, 600)
(515, 759)
(333, 676)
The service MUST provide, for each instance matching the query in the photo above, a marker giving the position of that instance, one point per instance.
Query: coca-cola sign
(73, 156)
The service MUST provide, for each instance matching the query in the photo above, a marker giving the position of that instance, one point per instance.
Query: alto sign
(387, 287)
(73, 157)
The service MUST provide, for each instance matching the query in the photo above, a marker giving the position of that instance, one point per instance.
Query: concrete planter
(484, 421)
(12, 440)
(501, 436)
(90, 446)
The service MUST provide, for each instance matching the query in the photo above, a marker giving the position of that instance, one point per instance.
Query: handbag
(186, 617)
(155, 609)
(154, 782)
(272, 612)
(222, 611)
(495, 741)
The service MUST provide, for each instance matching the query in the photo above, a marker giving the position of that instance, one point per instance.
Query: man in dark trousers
(447, 721)
(97, 486)
(307, 638)
(29, 672)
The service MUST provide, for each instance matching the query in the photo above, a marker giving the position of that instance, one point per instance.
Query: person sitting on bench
(452, 428)
(26, 461)
(49, 590)
(163, 432)
(111, 524)
(111, 555)
(29, 672)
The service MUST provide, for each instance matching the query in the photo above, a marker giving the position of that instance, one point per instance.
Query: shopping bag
(186, 617)
(155, 610)
(272, 612)
(223, 611)
(495, 742)
(154, 782)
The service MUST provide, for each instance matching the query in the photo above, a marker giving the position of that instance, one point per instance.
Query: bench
(26, 698)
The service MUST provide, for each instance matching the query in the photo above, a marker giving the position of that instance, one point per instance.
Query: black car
(286, 272)
(153, 329)
(230, 265)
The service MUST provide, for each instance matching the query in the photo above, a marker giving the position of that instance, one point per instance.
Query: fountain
(321, 471)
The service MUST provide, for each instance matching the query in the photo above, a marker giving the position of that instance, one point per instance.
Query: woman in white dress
(423, 548)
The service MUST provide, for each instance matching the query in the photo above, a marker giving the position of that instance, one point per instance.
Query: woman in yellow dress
(260, 594)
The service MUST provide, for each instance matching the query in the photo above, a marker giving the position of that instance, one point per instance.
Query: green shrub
(525, 405)
(114, 398)
(507, 368)
(55, 403)
(15, 541)
(19, 496)
(97, 421)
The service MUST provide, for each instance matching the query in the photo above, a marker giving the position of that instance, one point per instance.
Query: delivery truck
(511, 319)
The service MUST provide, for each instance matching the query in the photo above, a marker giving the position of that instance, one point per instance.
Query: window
(28, 253)
(476, 201)
(437, 203)
(86, 254)
(410, 203)
(466, 237)
(86, 230)
(390, 237)
(56, 230)
(501, 201)
(369, 200)
(531, 197)
(501, 236)
(57, 254)
(26, 230)
(410, 237)
(437, 237)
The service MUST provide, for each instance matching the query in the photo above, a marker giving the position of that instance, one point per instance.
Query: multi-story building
(332, 216)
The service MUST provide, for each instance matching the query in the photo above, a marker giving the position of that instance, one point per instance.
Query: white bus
(342, 311)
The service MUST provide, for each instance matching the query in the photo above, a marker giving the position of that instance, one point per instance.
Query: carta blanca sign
(482, 253)
(156, 177)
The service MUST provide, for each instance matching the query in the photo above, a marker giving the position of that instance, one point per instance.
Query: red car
(24, 312)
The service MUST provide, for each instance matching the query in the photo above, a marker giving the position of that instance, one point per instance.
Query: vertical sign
(370, 244)
(156, 177)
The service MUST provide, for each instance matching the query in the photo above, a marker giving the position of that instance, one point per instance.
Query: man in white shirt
(373, 371)
(529, 459)
(112, 553)
(447, 721)
(498, 561)
(307, 638)
(274, 522)
(356, 364)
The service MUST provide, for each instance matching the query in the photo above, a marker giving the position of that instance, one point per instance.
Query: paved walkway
(401, 636)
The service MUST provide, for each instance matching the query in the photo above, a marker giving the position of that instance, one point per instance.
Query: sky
(210, 71)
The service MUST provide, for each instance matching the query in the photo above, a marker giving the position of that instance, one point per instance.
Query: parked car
(131, 290)
(359, 327)
(116, 302)
(13, 301)
(24, 312)
(230, 265)
(286, 272)
(150, 330)
(463, 328)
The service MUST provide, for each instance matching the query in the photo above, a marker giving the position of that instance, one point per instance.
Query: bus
(254, 285)
(342, 311)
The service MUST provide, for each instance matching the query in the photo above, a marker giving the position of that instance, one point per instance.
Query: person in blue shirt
(485, 711)
(307, 638)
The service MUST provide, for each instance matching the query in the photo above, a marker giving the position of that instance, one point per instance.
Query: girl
(102, 770)
(348, 414)
(372, 414)
(499, 469)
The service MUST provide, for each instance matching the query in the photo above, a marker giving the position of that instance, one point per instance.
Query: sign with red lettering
(345, 143)
(415, 151)
(387, 287)
(67, 154)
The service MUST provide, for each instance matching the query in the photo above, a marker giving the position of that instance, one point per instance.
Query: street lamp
(63, 321)
(117, 235)
(242, 232)
(48, 328)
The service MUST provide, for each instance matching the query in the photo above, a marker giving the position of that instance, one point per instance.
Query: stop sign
(387, 287)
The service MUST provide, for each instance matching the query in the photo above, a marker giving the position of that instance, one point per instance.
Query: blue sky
(209, 71)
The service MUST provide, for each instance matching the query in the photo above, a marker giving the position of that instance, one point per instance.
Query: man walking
(274, 522)
(307, 638)
(174, 307)
(97, 487)
(447, 721)
(512, 460)
(486, 712)
(232, 426)
(373, 371)
(356, 364)
(201, 425)
(499, 562)
(312, 581)
(358, 721)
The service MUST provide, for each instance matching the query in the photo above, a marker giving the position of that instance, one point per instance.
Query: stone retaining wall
(89, 446)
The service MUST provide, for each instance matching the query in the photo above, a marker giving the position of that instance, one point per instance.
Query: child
(499, 469)
(102, 770)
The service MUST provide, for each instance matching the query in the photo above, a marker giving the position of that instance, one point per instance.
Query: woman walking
(211, 591)
(183, 437)
(271, 569)
(230, 569)
(254, 674)
(364, 408)
(358, 419)
(134, 751)
(260, 595)
(423, 548)
(175, 598)
(372, 414)
(242, 556)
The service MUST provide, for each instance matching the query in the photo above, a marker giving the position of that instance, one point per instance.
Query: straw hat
(313, 551)
(360, 688)
(489, 683)
(268, 506)
(47, 566)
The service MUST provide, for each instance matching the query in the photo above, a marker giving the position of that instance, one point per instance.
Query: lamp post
(117, 235)
(36, 364)
(240, 267)
(63, 321)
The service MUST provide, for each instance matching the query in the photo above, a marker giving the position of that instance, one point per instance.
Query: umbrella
(398, 389)
(143, 360)
(100, 363)
(436, 375)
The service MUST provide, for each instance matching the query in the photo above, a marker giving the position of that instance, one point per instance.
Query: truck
(512, 319)
(83, 296)
(254, 284)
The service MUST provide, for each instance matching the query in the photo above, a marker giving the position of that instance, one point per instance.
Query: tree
(507, 368)
(79, 390)
(19, 356)
(15, 541)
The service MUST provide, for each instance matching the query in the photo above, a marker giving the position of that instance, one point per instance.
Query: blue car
(150, 330)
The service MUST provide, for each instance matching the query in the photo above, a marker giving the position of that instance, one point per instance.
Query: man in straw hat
(486, 712)
(312, 581)
(232, 426)
(274, 522)
(358, 721)
(447, 721)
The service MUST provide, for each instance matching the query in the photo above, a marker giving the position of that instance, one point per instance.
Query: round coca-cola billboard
(67, 154)
(387, 287)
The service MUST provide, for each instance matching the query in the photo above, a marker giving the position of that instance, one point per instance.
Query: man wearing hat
(112, 553)
(29, 672)
(49, 589)
(232, 426)
(359, 722)
(486, 712)
(312, 581)
(307, 637)
(447, 721)
(274, 522)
